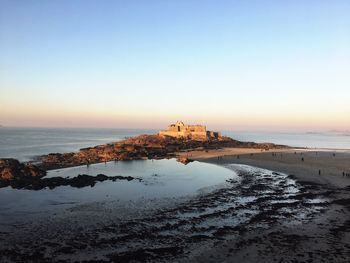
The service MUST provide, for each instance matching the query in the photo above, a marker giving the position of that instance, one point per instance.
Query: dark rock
(11, 169)
(82, 180)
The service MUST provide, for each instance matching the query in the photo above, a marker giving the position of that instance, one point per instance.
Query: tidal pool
(157, 179)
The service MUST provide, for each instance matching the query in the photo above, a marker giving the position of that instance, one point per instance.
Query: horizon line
(160, 128)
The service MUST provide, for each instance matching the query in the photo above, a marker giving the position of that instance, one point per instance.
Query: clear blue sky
(275, 65)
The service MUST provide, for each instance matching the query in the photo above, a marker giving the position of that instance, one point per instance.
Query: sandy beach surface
(324, 237)
(323, 166)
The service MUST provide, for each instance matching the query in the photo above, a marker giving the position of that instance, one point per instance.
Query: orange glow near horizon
(226, 65)
(263, 121)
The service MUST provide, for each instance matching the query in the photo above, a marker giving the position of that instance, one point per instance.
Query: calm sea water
(26, 143)
(311, 140)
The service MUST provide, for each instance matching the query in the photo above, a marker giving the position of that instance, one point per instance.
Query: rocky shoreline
(143, 147)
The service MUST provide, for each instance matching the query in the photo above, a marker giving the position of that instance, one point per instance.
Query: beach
(325, 166)
(325, 237)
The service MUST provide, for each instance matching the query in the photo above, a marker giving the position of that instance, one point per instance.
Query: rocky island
(166, 144)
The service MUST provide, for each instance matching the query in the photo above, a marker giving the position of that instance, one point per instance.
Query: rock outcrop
(11, 169)
(184, 160)
(82, 180)
(28, 176)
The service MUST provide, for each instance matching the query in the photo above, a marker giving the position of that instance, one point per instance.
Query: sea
(25, 144)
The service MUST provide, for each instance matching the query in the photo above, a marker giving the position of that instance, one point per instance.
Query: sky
(232, 65)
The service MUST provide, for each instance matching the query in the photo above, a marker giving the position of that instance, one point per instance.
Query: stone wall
(197, 132)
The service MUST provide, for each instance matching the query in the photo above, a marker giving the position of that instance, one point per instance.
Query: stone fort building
(194, 132)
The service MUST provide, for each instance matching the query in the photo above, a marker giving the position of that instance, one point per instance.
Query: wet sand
(324, 237)
(318, 166)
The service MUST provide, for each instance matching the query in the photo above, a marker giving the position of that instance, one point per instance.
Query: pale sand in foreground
(317, 165)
